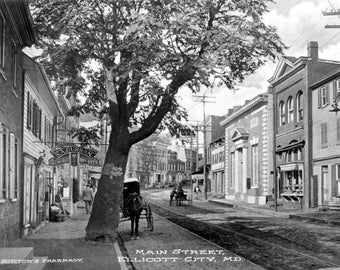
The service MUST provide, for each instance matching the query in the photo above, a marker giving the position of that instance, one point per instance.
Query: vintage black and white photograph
(169, 134)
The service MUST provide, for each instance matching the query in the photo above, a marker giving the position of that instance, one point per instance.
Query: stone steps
(20, 258)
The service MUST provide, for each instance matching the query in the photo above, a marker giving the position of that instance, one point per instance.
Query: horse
(135, 205)
(180, 197)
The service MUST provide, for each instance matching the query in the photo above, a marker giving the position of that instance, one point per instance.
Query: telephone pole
(204, 100)
(332, 12)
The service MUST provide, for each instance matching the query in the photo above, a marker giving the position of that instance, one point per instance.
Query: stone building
(248, 151)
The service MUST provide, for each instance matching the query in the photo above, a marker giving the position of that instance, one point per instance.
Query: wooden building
(16, 32)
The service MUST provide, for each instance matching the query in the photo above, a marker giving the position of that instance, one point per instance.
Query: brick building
(293, 134)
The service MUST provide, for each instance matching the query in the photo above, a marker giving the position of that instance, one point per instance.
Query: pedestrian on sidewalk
(88, 198)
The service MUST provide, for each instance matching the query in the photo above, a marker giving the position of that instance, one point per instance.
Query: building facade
(15, 34)
(248, 151)
(293, 134)
(326, 141)
(41, 110)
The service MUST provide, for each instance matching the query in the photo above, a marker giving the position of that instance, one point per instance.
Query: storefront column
(244, 170)
(236, 176)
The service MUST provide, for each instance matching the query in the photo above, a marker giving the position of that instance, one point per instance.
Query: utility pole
(332, 12)
(204, 100)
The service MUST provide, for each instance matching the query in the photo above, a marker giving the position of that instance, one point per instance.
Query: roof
(130, 180)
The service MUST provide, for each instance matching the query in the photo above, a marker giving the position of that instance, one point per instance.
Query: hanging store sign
(62, 151)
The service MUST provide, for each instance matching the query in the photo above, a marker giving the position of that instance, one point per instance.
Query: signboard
(61, 151)
(74, 155)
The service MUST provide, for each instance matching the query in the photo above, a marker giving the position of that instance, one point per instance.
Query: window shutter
(334, 181)
(11, 164)
(335, 88)
(28, 111)
(327, 94)
(319, 97)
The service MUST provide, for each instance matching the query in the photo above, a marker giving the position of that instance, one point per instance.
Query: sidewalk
(310, 215)
(65, 241)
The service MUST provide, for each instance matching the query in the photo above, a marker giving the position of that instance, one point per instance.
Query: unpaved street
(266, 240)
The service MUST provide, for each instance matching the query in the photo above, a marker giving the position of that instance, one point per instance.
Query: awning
(291, 167)
(290, 146)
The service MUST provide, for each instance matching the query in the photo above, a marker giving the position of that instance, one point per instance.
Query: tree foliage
(143, 51)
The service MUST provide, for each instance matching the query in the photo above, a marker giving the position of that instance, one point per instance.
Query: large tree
(129, 58)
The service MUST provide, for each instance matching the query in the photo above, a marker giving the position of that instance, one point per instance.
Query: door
(315, 191)
(324, 189)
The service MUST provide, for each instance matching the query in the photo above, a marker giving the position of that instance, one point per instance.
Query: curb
(316, 220)
(123, 265)
(253, 209)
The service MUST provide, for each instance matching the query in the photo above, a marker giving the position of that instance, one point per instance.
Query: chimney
(313, 50)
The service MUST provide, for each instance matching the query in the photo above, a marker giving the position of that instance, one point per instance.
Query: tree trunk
(104, 219)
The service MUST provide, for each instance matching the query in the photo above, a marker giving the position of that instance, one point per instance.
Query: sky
(297, 23)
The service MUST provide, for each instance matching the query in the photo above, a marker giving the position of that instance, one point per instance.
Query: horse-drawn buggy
(134, 206)
(180, 196)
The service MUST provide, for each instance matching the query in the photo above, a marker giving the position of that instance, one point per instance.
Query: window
(3, 162)
(2, 40)
(323, 96)
(299, 106)
(255, 164)
(336, 89)
(282, 113)
(34, 116)
(14, 64)
(324, 135)
(290, 110)
(9, 167)
(338, 130)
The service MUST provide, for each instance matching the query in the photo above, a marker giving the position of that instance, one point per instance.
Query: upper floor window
(14, 64)
(34, 116)
(299, 106)
(282, 113)
(290, 110)
(2, 40)
(336, 89)
(323, 99)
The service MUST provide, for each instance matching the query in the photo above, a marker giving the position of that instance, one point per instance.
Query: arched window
(299, 106)
(282, 113)
(290, 109)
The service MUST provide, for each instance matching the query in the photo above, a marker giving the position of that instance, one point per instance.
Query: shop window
(9, 168)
